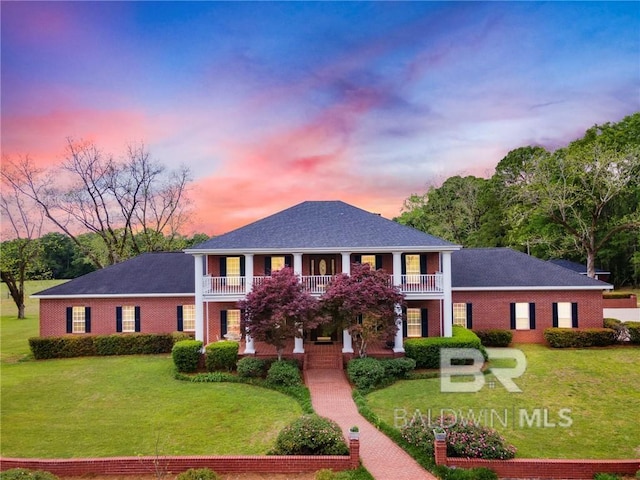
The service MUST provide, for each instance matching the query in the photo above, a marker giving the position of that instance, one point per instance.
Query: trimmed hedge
(251, 367)
(369, 373)
(101, 345)
(426, 351)
(310, 435)
(222, 355)
(634, 331)
(617, 295)
(494, 337)
(283, 373)
(186, 355)
(579, 337)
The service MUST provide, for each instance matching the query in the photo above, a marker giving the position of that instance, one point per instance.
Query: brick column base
(354, 453)
(440, 451)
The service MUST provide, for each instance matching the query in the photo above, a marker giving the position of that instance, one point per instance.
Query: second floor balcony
(317, 284)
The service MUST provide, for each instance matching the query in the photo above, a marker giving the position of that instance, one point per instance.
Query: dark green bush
(426, 351)
(398, 368)
(222, 355)
(494, 337)
(365, 373)
(620, 329)
(62, 347)
(26, 474)
(283, 373)
(579, 337)
(445, 473)
(198, 474)
(186, 355)
(251, 367)
(617, 295)
(310, 435)
(634, 331)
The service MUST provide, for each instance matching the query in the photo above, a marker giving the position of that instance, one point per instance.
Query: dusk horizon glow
(274, 103)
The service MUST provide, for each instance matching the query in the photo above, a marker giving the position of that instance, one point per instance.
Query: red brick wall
(157, 315)
(492, 309)
(175, 465)
(631, 302)
(433, 308)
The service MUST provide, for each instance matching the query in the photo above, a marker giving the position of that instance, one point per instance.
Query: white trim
(288, 250)
(525, 289)
(114, 295)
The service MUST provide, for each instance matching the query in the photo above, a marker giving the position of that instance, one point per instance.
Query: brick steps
(317, 360)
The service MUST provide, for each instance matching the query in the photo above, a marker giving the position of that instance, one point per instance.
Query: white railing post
(248, 272)
(397, 268)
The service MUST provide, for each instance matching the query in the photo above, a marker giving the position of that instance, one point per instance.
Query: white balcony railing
(317, 284)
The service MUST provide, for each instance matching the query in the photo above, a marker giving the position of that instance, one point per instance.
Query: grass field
(600, 388)
(109, 406)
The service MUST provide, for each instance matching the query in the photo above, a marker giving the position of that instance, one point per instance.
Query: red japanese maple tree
(365, 304)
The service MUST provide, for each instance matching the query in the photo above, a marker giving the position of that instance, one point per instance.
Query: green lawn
(110, 406)
(599, 387)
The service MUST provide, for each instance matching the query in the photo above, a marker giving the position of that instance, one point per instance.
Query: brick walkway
(331, 398)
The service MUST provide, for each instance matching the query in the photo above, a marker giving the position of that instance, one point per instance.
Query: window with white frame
(233, 323)
(460, 314)
(277, 263)
(188, 318)
(522, 316)
(369, 260)
(233, 271)
(412, 268)
(565, 317)
(128, 318)
(79, 320)
(414, 322)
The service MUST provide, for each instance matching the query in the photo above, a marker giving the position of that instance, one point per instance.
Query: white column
(199, 302)
(397, 268)
(249, 348)
(398, 344)
(248, 272)
(346, 262)
(447, 303)
(347, 344)
(298, 346)
(297, 263)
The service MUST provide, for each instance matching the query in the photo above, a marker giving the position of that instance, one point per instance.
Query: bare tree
(22, 222)
(131, 204)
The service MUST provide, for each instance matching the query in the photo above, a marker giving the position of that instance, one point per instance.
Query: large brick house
(198, 290)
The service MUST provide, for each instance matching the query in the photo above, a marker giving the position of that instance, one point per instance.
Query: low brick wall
(631, 302)
(73, 467)
(540, 468)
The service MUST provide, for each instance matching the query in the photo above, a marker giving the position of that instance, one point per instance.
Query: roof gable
(504, 268)
(149, 273)
(322, 224)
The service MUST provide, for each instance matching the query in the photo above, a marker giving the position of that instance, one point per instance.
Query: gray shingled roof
(328, 225)
(149, 273)
(575, 266)
(503, 267)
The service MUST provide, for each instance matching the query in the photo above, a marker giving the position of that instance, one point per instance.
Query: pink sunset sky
(271, 104)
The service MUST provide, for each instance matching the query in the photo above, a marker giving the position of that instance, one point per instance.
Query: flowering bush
(310, 435)
(464, 438)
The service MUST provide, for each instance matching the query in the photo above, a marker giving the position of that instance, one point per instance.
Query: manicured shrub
(464, 438)
(365, 373)
(222, 355)
(179, 336)
(198, 474)
(494, 337)
(310, 435)
(579, 337)
(634, 331)
(186, 355)
(605, 476)
(26, 474)
(62, 347)
(617, 295)
(251, 367)
(620, 329)
(398, 368)
(284, 374)
(426, 351)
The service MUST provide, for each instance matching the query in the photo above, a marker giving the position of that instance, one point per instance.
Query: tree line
(579, 202)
